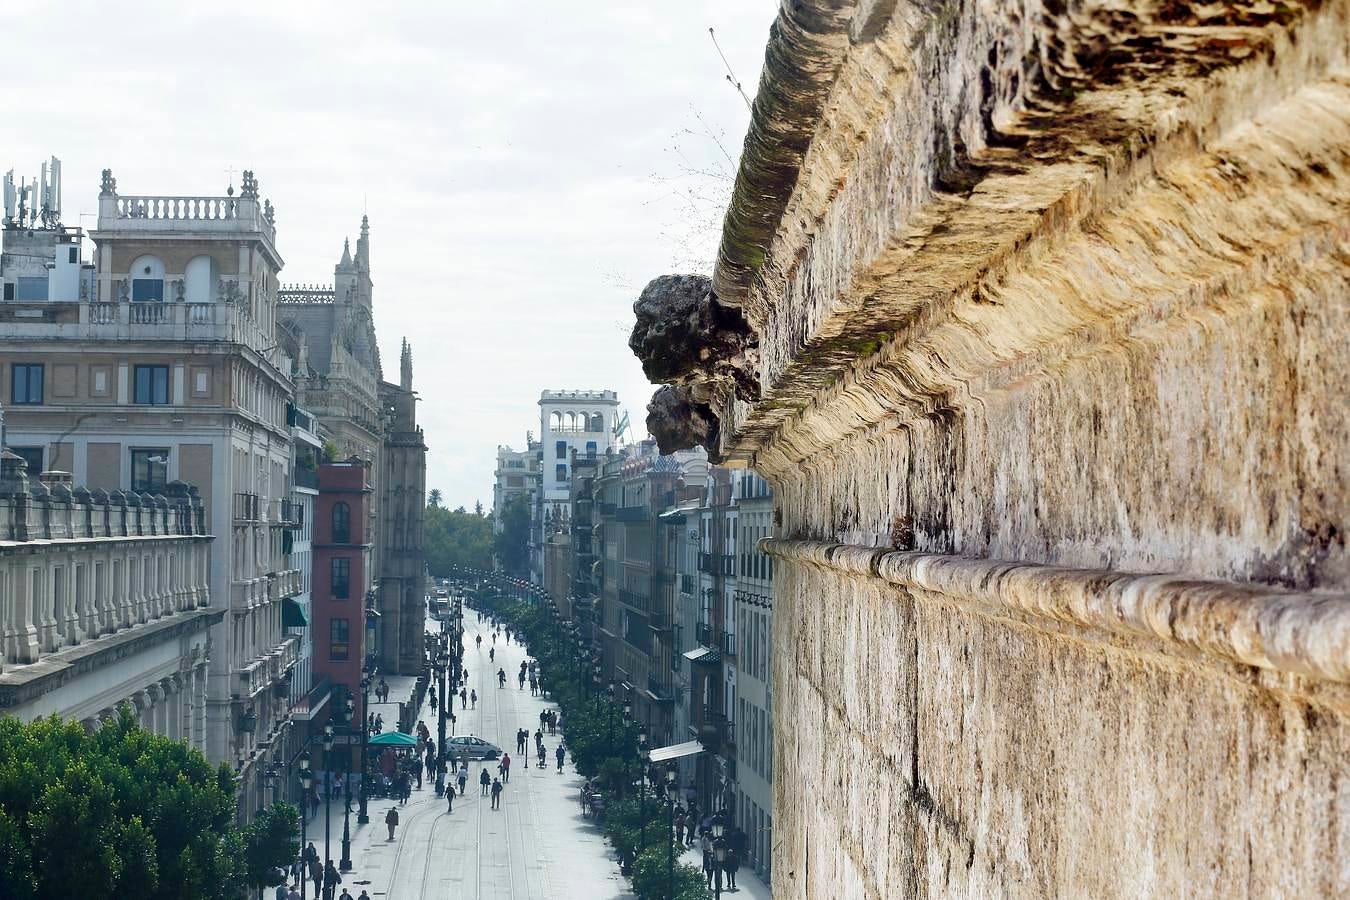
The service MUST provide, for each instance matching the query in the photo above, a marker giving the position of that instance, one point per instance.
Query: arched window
(342, 523)
(554, 421)
(199, 279)
(147, 279)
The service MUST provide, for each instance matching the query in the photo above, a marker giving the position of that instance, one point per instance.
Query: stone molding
(24, 683)
(1298, 633)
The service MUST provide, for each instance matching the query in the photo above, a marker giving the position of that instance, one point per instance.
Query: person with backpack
(496, 793)
(331, 879)
(390, 821)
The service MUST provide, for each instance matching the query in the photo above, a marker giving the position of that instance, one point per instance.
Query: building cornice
(26, 683)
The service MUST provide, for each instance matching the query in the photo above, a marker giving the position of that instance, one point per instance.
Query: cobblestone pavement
(538, 845)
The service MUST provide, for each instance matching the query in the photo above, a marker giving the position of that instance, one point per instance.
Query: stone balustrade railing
(79, 565)
(126, 320)
(242, 213)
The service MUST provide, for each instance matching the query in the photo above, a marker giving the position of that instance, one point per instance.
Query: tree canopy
(511, 545)
(123, 812)
(456, 538)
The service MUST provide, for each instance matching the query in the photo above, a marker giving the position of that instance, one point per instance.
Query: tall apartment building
(568, 420)
(343, 572)
(158, 363)
(306, 454)
(339, 377)
(752, 696)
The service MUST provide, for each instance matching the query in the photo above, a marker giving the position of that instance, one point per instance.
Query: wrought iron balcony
(703, 634)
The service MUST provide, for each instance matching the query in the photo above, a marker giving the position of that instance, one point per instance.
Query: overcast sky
(526, 166)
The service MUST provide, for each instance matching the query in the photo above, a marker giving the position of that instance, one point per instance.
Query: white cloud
(510, 157)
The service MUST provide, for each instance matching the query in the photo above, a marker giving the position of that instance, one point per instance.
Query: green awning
(393, 739)
(293, 614)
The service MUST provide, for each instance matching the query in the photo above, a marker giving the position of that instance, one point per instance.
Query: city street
(537, 845)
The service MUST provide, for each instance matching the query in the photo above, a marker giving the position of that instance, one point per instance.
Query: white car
(472, 747)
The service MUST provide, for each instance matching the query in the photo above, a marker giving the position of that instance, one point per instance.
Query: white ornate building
(104, 604)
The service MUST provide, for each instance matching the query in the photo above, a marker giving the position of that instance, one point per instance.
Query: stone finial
(269, 213)
(82, 494)
(248, 188)
(109, 186)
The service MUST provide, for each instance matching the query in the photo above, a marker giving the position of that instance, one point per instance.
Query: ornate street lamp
(306, 782)
(328, 793)
(671, 791)
(362, 817)
(345, 864)
(442, 669)
(720, 849)
(642, 787)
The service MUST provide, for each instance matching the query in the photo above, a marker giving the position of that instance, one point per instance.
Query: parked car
(472, 747)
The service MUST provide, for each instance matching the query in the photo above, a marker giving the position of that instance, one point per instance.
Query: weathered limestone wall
(1039, 299)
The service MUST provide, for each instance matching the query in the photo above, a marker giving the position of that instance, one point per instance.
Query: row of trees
(604, 746)
(123, 812)
(459, 538)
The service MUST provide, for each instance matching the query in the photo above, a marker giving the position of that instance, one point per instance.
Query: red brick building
(342, 577)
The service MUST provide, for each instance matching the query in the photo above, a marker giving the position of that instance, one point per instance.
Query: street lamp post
(306, 782)
(670, 860)
(442, 669)
(719, 851)
(362, 817)
(345, 864)
(328, 796)
(642, 788)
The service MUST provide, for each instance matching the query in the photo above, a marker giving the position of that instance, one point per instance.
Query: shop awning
(293, 614)
(675, 751)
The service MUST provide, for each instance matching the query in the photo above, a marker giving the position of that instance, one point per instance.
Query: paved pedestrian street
(538, 845)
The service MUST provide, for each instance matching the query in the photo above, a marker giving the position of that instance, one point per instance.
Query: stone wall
(1040, 299)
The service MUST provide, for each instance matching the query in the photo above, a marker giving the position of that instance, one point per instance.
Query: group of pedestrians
(326, 878)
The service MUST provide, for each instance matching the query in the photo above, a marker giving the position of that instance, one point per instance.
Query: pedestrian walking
(521, 679)
(560, 754)
(384, 691)
(331, 879)
(492, 654)
(450, 800)
(541, 755)
(281, 891)
(501, 678)
(505, 767)
(730, 866)
(364, 896)
(462, 778)
(552, 721)
(706, 844)
(417, 772)
(345, 895)
(294, 892)
(391, 821)
(521, 737)
(496, 793)
(316, 876)
(539, 738)
(484, 781)
(473, 698)
(534, 686)
(679, 828)
(463, 695)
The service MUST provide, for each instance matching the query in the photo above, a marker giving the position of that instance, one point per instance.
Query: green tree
(512, 544)
(117, 813)
(434, 497)
(271, 841)
(456, 538)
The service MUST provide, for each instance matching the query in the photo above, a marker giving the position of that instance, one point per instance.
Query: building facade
(104, 604)
(344, 586)
(339, 377)
(160, 363)
(752, 703)
(581, 421)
